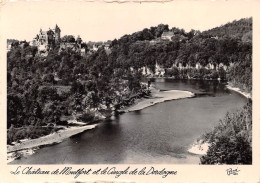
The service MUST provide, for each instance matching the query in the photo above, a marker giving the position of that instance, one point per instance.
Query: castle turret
(57, 34)
(79, 40)
(50, 35)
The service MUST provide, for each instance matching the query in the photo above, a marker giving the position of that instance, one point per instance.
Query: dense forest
(241, 29)
(44, 91)
(146, 49)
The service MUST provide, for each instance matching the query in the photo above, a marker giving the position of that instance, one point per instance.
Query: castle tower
(50, 36)
(57, 34)
(79, 40)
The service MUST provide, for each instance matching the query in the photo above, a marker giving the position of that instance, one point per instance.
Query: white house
(167, 35)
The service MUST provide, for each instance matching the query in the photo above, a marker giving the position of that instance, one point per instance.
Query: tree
(14, 110)
(68, 39)
(91, 100)
(231, 140)
(49, 78)
(48, 93)
(160, 29)
(77, 87)
(134, 81)
(51, 112)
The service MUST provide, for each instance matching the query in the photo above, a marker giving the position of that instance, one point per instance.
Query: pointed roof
(79, 38)
(57, 28)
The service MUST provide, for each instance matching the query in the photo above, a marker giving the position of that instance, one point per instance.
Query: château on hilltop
(52, 36)
(45, 41)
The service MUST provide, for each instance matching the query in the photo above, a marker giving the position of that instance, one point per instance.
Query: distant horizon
(170, 27)
(108, 21)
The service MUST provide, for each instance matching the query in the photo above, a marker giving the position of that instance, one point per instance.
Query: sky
(97, 21)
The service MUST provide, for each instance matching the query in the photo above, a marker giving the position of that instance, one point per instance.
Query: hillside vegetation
(45, 91)
(231, 52)
(231, 139)
(239, 29)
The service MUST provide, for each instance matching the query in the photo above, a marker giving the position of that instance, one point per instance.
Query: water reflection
(158, 134)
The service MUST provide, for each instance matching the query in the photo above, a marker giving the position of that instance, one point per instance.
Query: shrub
(86, 117)
(32, 132)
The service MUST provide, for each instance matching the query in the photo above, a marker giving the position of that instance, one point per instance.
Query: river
(158, 134)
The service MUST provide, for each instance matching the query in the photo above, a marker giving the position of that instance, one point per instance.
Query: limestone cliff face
(159, 71)
(146, 71)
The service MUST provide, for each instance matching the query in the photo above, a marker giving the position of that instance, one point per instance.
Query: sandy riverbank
(27, 145)
(199, 147)
(245, 94)
(158, 96)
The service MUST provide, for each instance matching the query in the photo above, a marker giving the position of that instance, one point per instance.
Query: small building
(214, 37)
(107, 47)
(9, 46)
(167, 35)
(95, 47)
(83, 51)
